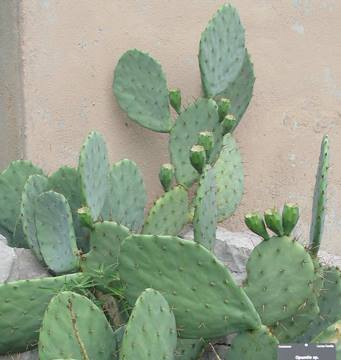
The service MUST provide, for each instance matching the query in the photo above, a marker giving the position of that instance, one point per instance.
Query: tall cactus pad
(200, 290)
(66, 181)
(222, 50)
(169, 214)
(105, 243)
(198, 117)
(12, 182)
(55, 233)
(254, 345)
(280, 260)
(189, 349)
(22, 307)
(127, 196)
(320, 196)
(74, 327)
(94, 172)
(35, 185)
(240, 89)
(141, 90)
(151, 331)
(229, 178)
(205, 214)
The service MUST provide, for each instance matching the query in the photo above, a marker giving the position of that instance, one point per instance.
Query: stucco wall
(70, 48)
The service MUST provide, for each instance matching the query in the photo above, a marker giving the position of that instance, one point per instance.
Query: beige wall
(70, 48)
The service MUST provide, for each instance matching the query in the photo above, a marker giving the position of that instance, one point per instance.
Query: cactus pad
(127, 199)
(74, 327)
(169, 214)
(222, 50)
(254, 345)
(55, 233)
(205, 214)
(229, 178)
(198, 117)
(94, 172)
(141, 90)
(12, 182)
(35, 185)
(151, 332)
(280, 278)
(22, 307)
(199, 289)
(331, 335)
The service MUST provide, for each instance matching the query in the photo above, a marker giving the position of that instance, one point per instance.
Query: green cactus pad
(199, 289)
(141, 90)
(166, 176)
(94, 171)
(255, 222)
(169, 214)
(320, 198)
(198, 117)
(12, 182)
(205, 214)
(229, 178)
(273, 220)
(254, 345)
(280, 278)
(55, 233)
(66, 181)
(222, 50)
(189, 349)
(240, 89)
(290, 216)
(287, 330)
(74, 327)
(331, 335)
(175, 99)
(105, 243)
(22, 307)
(35, 185)
(151, 331)
(127, 199)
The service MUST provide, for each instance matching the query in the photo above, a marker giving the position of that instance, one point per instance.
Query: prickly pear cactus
(12, 182)
(332, 335)
(22, 307)
(189, 349)
(141, 90)
(94, 171)
(74, 327)
(200, 290)
(55, 233)
(151, 331)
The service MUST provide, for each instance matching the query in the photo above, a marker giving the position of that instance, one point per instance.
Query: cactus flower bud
(175, 99)
(223, 108)
(206, 140)
(229, 123)
(273, 220)
(256, 224)
(166, 176)
(198, 157)
(290, 216)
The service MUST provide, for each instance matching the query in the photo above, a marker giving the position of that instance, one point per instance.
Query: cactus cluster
(127, 286)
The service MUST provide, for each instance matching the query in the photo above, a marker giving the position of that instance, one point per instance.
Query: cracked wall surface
(69, 50)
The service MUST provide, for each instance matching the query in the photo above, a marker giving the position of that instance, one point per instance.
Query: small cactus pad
(74, 327)
(205, 214)
(280, 278)
(94, 172)
(22, 307)
(273, 220)
(197, 156)
(12, 182)
(189, 349)
(105, 243)
(35, 185)
(229, 178)
(66, 181)
(287, 330)
(198, 117)
(175, 99)
(198, 287)
(151, 331)
(320, 197)
(127, 199)
(55, 233)
(254, 345)
(290, 216)
(256, 224)
(169, 214)
(166, 176)
(141, 90)
(240, 89)
(222, 50)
